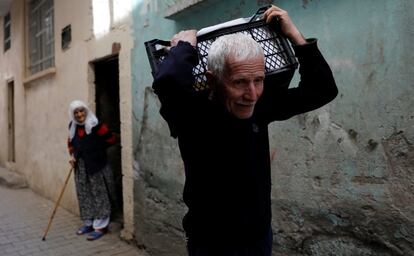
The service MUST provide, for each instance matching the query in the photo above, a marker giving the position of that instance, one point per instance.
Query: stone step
(12, 179)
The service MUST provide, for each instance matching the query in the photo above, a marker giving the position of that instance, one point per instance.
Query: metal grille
(278, 54)
(41, 35)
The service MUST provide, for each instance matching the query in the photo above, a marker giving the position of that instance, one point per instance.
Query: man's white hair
(239, 46)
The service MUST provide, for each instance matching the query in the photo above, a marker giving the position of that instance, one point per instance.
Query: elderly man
(223, 136)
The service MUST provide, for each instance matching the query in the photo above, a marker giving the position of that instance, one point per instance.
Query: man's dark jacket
(226, 159)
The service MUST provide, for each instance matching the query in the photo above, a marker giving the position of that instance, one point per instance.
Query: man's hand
(186, 36)
(72, 162)
(286, 24)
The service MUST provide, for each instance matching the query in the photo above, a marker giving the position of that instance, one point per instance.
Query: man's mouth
(246, 105)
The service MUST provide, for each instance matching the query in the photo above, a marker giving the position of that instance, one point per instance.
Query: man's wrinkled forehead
(252, 65)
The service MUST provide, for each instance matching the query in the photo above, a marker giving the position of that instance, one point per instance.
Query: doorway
(108, 111)
(10, 123)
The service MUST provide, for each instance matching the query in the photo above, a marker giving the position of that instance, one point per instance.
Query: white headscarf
(90, 121)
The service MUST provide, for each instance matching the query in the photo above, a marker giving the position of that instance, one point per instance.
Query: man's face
(80, 115)
(242, 86)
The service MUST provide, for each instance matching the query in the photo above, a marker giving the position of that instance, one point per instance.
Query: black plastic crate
(279, 57)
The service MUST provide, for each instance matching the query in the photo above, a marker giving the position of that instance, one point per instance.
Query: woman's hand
(72, 162)
(286, 24)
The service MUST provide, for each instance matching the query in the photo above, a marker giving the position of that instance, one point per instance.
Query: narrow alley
(24, 217)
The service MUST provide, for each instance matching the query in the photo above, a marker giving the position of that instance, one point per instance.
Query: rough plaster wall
(3, 99)
(348, 165)
(41, 105)
(47, 100)
(75, 80)
(156, 190)
(161, 182)
(342, 175)
(10, 68)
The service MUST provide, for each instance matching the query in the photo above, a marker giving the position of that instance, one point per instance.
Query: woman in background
(87, 143)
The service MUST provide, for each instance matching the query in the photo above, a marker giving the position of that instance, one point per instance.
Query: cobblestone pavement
(23, 220)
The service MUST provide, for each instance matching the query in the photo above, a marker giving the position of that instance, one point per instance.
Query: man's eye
(258, 80)
(239, 82)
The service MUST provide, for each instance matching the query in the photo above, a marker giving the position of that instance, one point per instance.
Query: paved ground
(24, 217)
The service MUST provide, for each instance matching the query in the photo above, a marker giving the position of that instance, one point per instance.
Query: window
(66, 37)
(41, 35)
(7, 32)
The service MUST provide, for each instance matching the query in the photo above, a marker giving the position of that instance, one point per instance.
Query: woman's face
(80, 115)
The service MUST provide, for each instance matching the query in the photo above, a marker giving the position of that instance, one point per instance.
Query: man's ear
(211, 80)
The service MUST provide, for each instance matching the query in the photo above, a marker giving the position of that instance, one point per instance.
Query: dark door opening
(11, 127)
(107, 111)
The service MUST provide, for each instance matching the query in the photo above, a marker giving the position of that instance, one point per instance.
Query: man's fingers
(278, 13)
(271, 16)
(274, 12)
(186, 35)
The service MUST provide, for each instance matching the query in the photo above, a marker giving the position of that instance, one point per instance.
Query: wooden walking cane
(57, 204)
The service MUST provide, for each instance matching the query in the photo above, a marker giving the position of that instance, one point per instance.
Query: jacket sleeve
(316, 88)
(71, 147)
(106, 135)
(174, 82)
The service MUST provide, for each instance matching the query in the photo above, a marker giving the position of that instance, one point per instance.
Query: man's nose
(251, 92)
